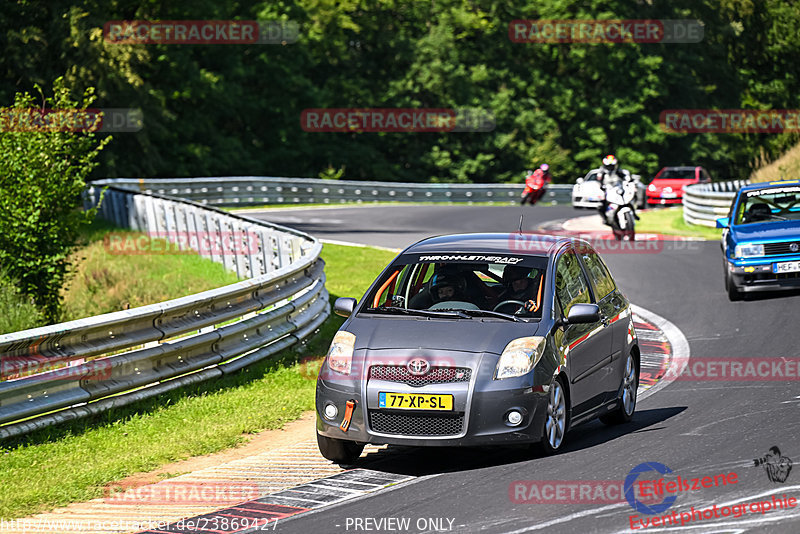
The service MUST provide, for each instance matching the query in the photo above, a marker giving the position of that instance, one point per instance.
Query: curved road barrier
(65, 371)
(255, 190)
(703, 204)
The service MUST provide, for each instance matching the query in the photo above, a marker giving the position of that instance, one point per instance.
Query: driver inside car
(448, 287)
(519, 286)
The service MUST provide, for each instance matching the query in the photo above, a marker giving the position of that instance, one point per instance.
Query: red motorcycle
(534, 188)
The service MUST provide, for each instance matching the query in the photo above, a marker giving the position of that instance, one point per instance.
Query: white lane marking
(386, 489)
(300, 220)
(570, 517)
(351, 244)
(679, 344)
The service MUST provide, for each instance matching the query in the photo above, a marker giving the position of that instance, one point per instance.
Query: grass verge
(670, 221)
(17, 312)
(75, 461)
(108, 279)
(786, 167)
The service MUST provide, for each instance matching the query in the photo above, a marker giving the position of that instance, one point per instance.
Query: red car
(667, 186)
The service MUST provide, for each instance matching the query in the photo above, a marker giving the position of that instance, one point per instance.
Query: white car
(586, 192)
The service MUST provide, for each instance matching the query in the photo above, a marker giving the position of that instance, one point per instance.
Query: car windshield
(677, 174)
(776, 204)
(503, 288)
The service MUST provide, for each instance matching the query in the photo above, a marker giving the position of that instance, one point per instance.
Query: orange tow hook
(348, 414)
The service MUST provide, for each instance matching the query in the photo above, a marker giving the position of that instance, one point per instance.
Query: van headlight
(748, 250)
(340, 354)
(519, 357)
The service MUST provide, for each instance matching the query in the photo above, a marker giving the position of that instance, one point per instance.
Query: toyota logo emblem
(418, 367)
(794, 247)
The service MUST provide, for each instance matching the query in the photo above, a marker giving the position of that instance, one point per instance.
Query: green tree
(42, 176)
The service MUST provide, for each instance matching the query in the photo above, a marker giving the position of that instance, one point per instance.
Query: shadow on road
(420, 461)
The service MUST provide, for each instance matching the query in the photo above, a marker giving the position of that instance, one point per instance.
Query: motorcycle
(534, 188)
(619, 211)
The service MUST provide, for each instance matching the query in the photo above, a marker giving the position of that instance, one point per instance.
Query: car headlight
(340, 355)
(519, 357)
(748, 250)
(651, 188)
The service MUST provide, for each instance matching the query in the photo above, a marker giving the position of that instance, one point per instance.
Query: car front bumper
(757, 275)
(478, 416)
(583, 202)
(657, 200)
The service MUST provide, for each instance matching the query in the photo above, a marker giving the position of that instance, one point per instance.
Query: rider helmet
(545, 167)
(610, 163)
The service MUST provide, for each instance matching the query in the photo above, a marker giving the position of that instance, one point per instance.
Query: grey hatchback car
(478, 339)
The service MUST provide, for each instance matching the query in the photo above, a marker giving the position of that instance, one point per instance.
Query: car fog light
(514, 417)
(331, 411)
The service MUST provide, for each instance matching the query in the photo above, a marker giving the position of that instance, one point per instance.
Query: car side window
(598, 272)
(571, 285)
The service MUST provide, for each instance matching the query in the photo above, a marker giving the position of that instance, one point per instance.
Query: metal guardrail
(703, 204)
(256, 190)
(65, 371)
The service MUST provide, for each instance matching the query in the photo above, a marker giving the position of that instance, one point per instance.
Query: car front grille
(416, 425)
(770, 277)
(437, 375)
(776, 249)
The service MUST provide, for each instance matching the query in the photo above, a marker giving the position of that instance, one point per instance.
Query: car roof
(769, 185)
(496, 243)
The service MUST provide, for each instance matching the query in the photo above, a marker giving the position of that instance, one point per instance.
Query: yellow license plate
(414, 401)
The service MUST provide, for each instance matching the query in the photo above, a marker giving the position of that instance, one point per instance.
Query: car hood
(766, 231)
(463, 335)
(676, 185)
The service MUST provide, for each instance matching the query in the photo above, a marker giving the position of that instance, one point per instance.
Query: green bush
(42, 175)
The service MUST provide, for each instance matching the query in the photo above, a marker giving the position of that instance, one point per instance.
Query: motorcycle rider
(542, 172)
(611, 174)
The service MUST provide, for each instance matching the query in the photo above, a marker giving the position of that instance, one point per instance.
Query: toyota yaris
(479, 339)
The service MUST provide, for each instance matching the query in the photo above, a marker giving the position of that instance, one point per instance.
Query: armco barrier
(254, 190)
(703, 204)
(65, 371)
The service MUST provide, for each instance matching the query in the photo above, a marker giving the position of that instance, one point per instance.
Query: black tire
(547, 445)
(733, 293)
(626, 404)
(630, 226)
(339, 450)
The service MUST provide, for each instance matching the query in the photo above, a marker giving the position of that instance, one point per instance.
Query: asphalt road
(695, 427)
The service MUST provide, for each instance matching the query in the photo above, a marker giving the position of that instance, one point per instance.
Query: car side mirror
(723, 222)
(344, 306)
(579, 181)
(583, 313)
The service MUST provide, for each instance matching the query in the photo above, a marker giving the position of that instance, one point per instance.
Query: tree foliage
(235, 109)
(42, 176)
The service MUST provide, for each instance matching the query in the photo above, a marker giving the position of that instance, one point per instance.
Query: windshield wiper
(487, 313)
(421, 313)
